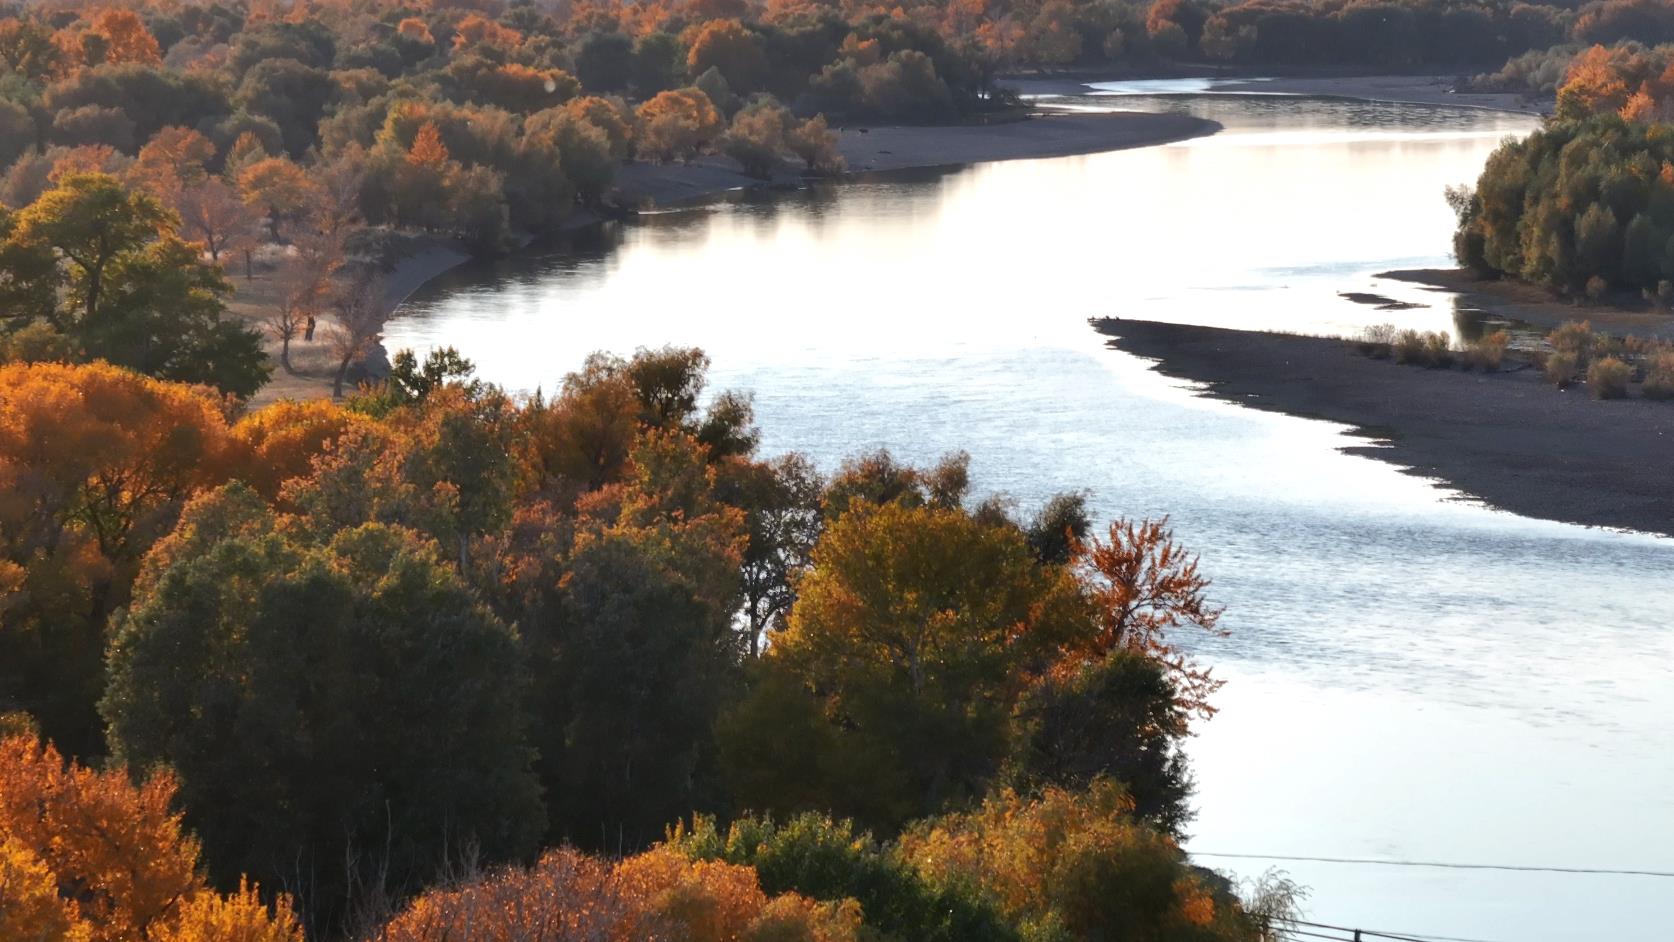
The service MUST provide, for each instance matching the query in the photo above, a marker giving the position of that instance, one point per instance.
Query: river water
(1411, 676)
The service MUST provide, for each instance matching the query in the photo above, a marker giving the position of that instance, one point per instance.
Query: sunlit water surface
(1411, 676)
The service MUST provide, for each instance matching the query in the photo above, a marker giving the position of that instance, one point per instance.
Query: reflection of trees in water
(1471, 324)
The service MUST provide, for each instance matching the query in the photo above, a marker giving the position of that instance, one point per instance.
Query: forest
(1585, 205)
(437, 661)
(493, 122)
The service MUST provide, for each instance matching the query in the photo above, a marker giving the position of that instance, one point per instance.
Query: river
(1411, 676)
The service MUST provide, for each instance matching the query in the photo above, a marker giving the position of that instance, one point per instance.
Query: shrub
(1423, 349)
(1408, 347)
(1574, 337)
(1659, 375)
(1560, 369)
(1438, 349)
(1608, 378)
(1377, 341)
(1486, 352)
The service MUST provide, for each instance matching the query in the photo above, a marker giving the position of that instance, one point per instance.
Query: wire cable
(1376, 934)
(1519, 868)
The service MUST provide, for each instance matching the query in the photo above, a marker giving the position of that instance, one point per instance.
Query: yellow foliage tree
(87, 856)
(1074, 865)
(676, 124)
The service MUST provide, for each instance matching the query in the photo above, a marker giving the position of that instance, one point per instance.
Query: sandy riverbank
(876, 148)
(1507, 438)
(256, 299)
(891, 147)
(1536, 306)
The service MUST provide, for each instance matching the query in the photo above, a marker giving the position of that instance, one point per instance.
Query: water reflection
(1412, 675)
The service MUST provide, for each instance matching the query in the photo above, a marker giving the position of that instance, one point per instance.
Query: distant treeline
(536, 104)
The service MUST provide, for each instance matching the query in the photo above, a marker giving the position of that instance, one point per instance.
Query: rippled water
(1412, 676)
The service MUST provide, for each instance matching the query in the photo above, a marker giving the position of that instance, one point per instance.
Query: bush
(1438, 349)
(828, 860)
(1408, 347)
(1486, 352)
(1575, 338)
(1378, 340)
(1423, 349)
(1659, 375)
(1560, 369)
(1608, 378)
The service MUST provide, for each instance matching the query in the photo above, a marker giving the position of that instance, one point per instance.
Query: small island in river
(1506, 437)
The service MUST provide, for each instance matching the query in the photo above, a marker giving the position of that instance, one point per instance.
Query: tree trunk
(285, 354)
(342, 371)
(94, 277)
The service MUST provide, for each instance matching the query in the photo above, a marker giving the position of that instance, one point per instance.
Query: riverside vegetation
(1573, 350)
(1585, 205)
(437, 662)
(493, 121)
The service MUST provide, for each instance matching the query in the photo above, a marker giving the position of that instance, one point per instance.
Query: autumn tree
(813, 856)
(303, 720)
(656, 896)
(119, 35)
(95, 462)
(26, 48)
(729, 46)
(214, 214)
(88, 856)
(676, 124)
(631, 633)
(757, 138)
(1078, 863)
(278, 189)
(914, 631)
(173, 162)
(360, 310)
(281, 442)
(1145, 589)
(815, 144)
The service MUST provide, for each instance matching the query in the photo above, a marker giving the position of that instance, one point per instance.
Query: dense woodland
(1585, 205)
(493, 121)
(351, 652)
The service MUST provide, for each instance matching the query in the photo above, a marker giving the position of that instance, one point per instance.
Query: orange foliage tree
(88, 855)
(656, 896)
(95, 462)
(1144, 588)
(677, 124)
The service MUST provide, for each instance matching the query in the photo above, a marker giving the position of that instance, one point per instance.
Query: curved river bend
(1411, 676)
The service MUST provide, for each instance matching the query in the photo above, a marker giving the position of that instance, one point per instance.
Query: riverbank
(1536, 306)
(913, 147)
(649, 185)
(1507, 438)
(256, 299)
